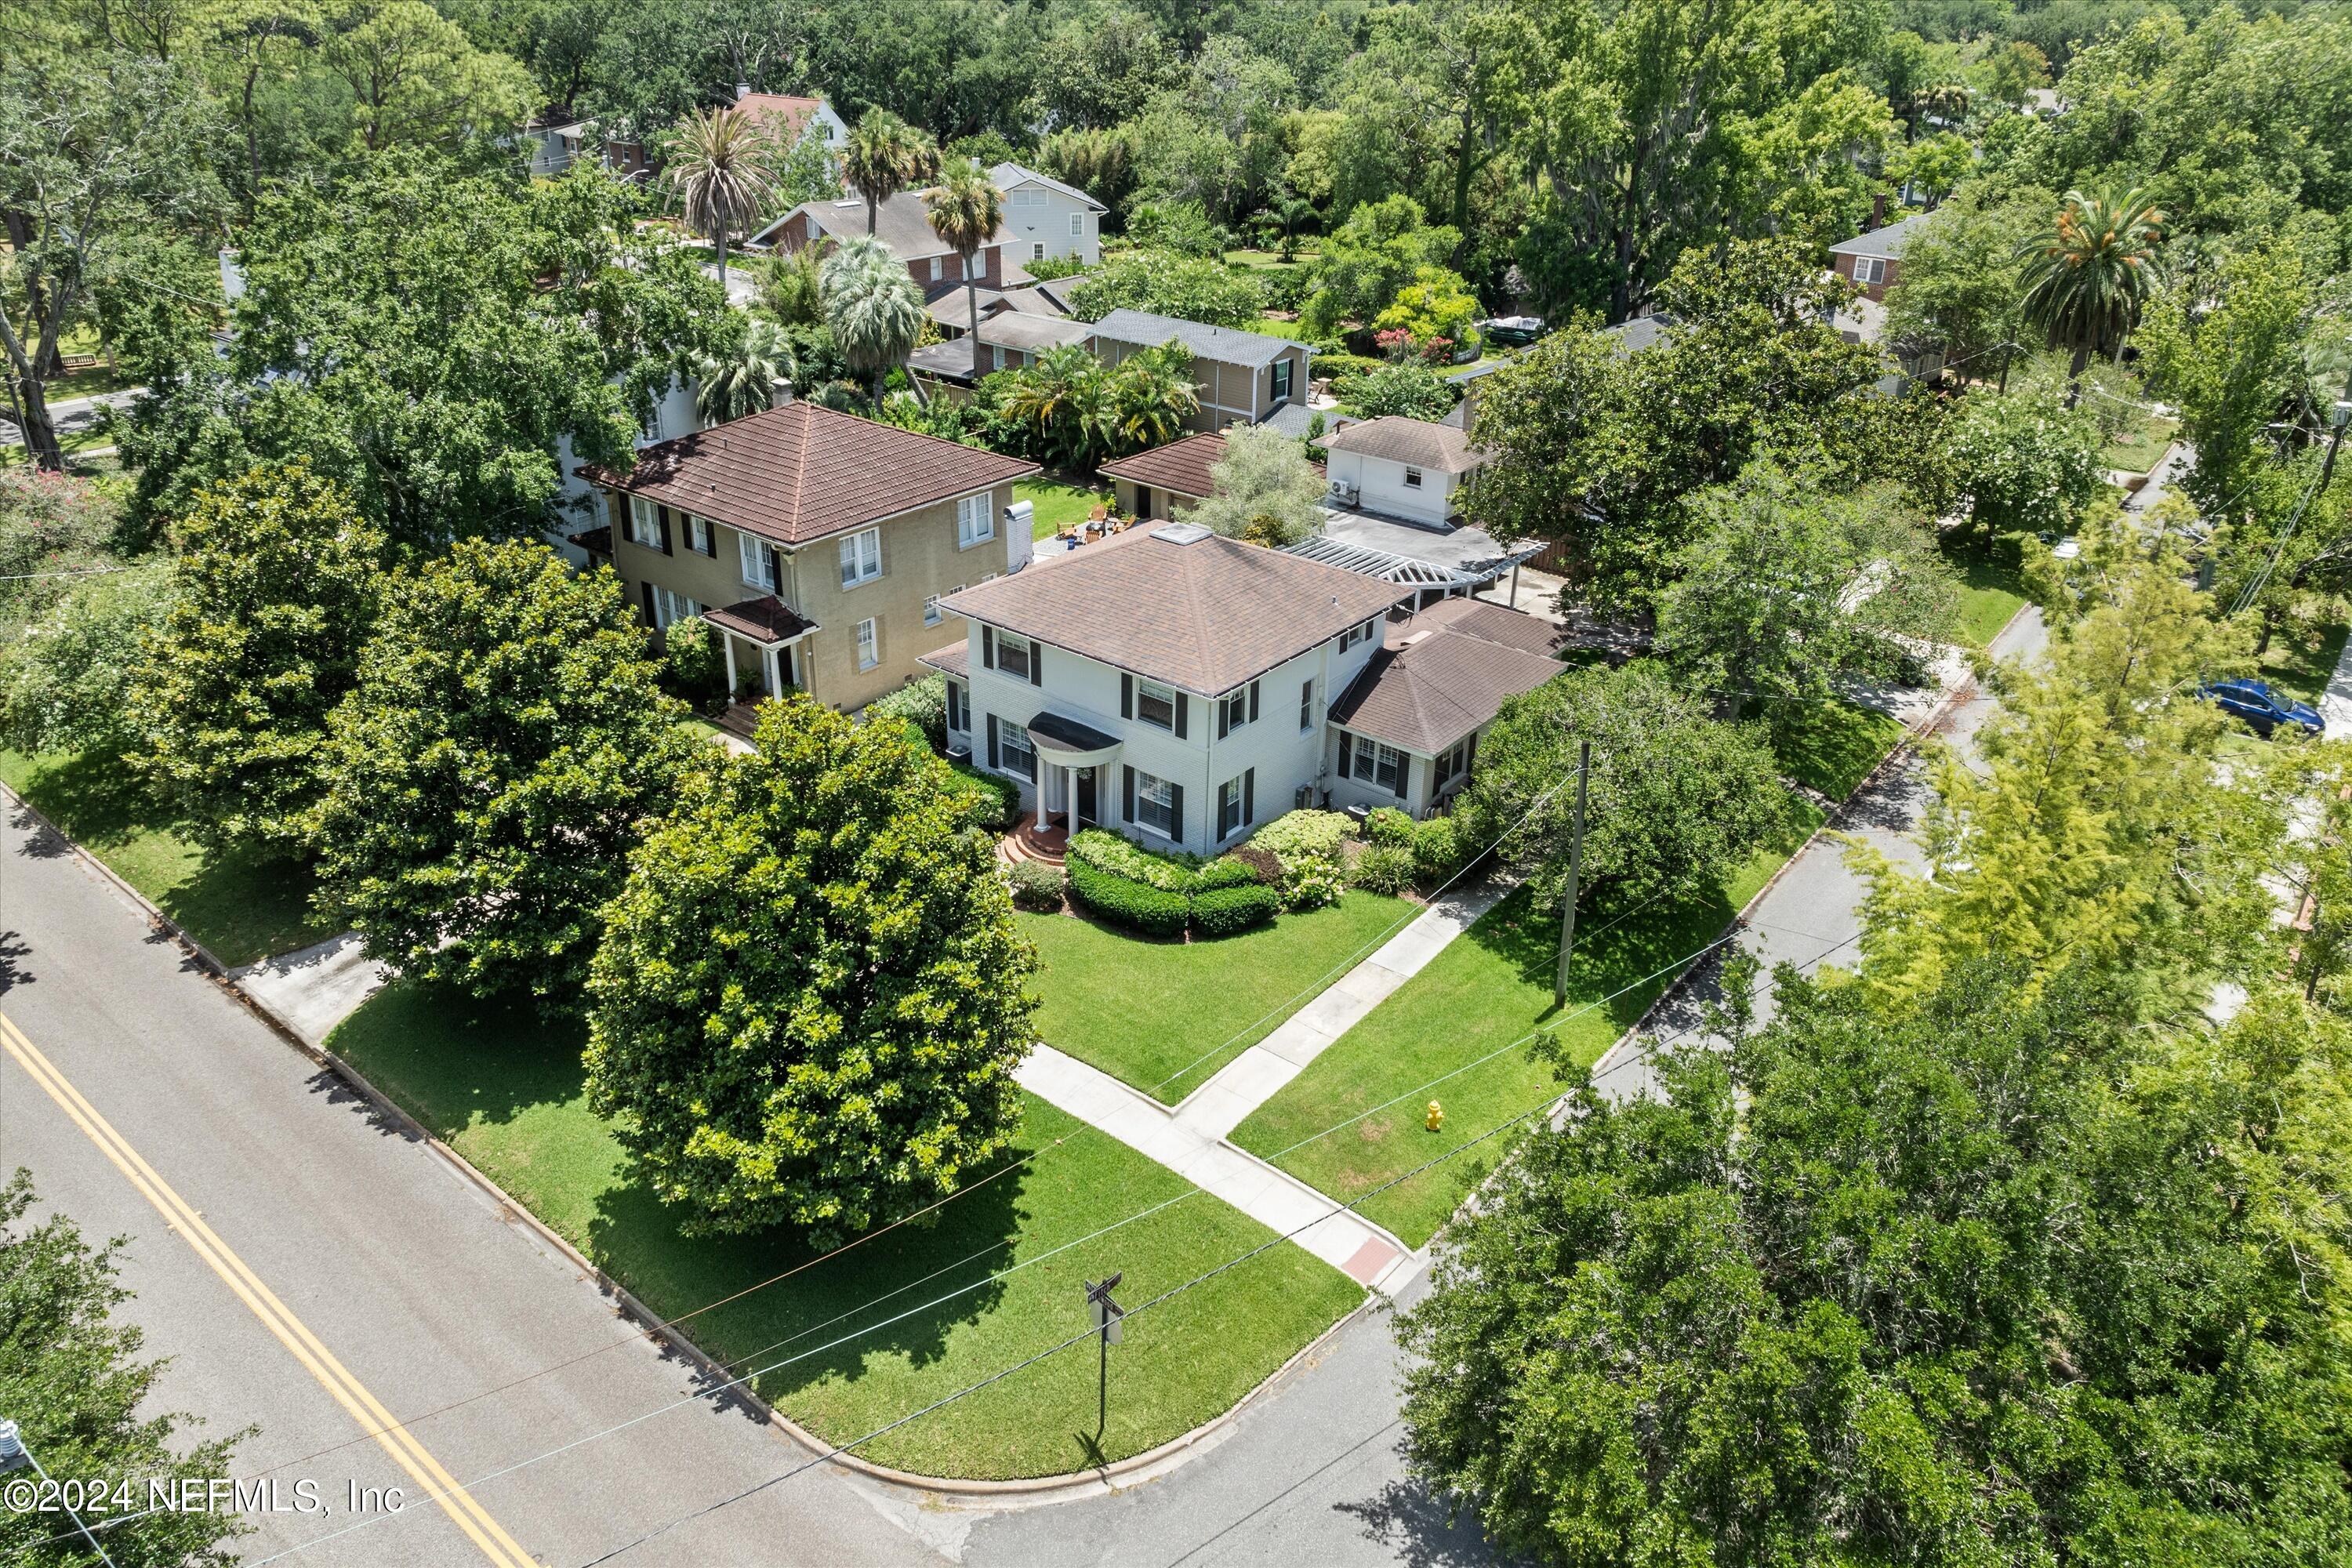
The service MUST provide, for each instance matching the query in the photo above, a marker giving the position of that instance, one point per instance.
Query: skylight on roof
(1181, 533)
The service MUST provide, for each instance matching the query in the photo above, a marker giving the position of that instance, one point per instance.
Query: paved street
(1812, 915)
(487, 1347)
(71, 417)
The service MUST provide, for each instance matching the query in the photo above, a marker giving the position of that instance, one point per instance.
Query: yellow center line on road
(363, 1407)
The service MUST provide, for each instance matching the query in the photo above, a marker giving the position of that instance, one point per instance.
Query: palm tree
(1060, 397)
(873, 306)
(2088, 278)
(1153, 398)
(885, 155)
(719, 166)
(966, 210)
(744, 381)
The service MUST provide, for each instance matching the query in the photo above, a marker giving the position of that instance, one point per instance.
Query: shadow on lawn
(505, 1085)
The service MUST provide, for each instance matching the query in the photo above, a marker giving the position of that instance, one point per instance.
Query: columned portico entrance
(1070, 756)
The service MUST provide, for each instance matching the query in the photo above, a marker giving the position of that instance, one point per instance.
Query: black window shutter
(1125, 695)
(1181, 705)
(1036, 663)
(1223, 728)
(648, 587)
(776, 571)
(994, 762)
(1176, 812)
(1253, 719)
(988, 647)
(661, 516)
(1404, 775)
(1249, 797)
(1347, 756)
(1125, 792)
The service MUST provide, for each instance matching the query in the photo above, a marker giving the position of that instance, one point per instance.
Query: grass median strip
(1489, 988)
(241, 907)
(503, 1086)
(1830, 747)
(1143, 1010)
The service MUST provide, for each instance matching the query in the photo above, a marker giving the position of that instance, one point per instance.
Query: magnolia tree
(809, 1005)
(1264, 490)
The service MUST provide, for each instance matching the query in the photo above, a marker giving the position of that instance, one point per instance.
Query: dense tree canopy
(810, 1004)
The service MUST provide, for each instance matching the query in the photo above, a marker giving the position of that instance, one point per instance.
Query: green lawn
(1164, 1017)
(504, 1087)
(2136, 449)
(1831, 746)
(1275, 327)
(2302, 657)
(1059, 503)
(1266, 260)
(240, 907)
(1486, 991)
(1991, 591)
(71, 443)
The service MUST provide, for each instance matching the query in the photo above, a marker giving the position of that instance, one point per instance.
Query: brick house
(1875, 260)
(904, 225)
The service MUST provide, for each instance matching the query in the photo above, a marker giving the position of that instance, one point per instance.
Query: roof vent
(1181, 533)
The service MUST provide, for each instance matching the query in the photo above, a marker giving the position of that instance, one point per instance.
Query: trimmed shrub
(1301, 836)
(922, 703)
(1106, 851)
(994, 801)
(1382, 868)
(1221, 911)
(1388, 826)
(1227, 872)
(1125, 901)
(1036, 887)
(1438, 848)
(1339, 364)
(1311, 883)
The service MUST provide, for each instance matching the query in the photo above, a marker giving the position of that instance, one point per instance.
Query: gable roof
(902, 222)
(1004, 176)
(1226, 345)
(1431, 686)
(1181, 467)
(788, 115)
(800, 472)
(1418, 442)
(1180, 604)
(1493, 623)
(1888, 241)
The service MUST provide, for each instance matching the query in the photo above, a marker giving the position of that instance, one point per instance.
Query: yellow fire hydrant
(1436, 1116)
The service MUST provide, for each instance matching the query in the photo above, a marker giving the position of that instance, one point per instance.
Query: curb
(1026, 1493)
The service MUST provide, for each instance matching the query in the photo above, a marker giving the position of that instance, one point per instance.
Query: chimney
(743, 90)
(780, 394)
(1877, 212)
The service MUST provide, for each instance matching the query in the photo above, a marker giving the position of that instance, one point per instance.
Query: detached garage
(1405, 468)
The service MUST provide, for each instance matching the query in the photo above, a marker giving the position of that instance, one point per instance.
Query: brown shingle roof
(953, 660)
(766, 620)
(1436, 689)
(800, 472)
(1402, 440)
(1180, 466)
(1494, 623)
(1206, 616)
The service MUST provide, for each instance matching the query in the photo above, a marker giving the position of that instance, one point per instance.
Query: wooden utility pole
(1575, 873)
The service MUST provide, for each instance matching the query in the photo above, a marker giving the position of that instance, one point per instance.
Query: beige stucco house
(817, 543)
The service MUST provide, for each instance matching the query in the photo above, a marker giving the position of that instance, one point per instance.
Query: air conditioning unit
(1302, 798)
(1344, 492)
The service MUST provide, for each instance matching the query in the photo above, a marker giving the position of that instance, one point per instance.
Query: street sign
(1107, 1313)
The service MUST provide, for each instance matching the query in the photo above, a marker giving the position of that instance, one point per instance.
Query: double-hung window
(1412, 478)
(935, 267)
(1451, 763)
(1233, 711)
(1155, 804)
(1870, 270)
(1020, 756)
(697, 536)
(1355, 635)
(869, 645)
(1282, 381)
(1012, 656)
(758, 560)
(645, 523)
(976, 518)
(932, 614)
(1037, 250)
(1077, 226)
(1306, 706)
(861, 558)
(1234, 803)
(1155, 704)
(1376, 763)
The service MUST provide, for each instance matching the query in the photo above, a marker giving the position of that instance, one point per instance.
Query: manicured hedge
(1387, 825)
(994, 801)
(1035, 886)
(1228, 872)
(1221, 911)
(1106, 851)
(1297, 836)
(1140, 905)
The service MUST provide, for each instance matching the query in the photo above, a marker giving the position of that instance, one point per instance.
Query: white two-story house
(1048, 217)
(1181, 688)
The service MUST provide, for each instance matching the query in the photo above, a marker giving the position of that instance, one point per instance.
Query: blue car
(2263, 708)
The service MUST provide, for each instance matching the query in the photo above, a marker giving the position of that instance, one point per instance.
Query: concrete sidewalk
(1255, 1077)
(314, 989)
(1341, 1238)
